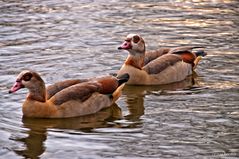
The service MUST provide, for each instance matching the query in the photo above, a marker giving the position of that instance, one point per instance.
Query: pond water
(195, 118)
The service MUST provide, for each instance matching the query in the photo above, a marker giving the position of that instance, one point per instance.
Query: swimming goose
(163, 66)
(68, 98)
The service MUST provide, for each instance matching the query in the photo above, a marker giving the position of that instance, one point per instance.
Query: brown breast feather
(158, 65)
(57, 87)
(151, 55)
(81, 92)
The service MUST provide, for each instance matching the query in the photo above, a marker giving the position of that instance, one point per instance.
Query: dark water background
(196, 118)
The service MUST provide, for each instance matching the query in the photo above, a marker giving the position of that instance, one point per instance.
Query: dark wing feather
(151, 55)
(158, 65)
(183, 49)
(57, 87)
(81, 91)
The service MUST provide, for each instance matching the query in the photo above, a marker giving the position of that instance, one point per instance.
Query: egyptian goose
(68, 98)
(163, 66)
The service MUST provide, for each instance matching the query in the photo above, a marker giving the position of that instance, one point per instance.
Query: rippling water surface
(196, 118)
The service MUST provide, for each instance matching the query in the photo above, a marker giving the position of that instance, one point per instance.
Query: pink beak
(126, 45)
(18, 85)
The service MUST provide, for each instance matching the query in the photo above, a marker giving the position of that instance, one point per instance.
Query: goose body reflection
(38, 129)
(135, 95)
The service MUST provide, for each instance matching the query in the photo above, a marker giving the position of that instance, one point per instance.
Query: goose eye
(27, 77)
(136, 39)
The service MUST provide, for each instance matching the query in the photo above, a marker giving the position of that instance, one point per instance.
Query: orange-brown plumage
(108, 84)
(137, 63)
(188, 57)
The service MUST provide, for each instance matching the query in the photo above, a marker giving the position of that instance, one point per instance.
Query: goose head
(28, 79)
(134, 44)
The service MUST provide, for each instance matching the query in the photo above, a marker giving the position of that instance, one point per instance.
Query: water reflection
(135, 95)
(39, 128)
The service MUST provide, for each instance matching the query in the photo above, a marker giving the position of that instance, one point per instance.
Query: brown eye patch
(136, 39)
(27, 77)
